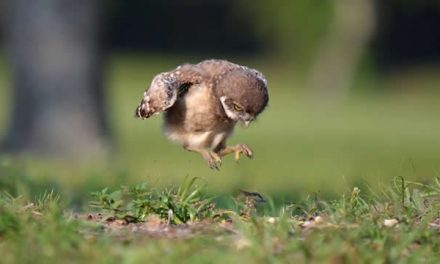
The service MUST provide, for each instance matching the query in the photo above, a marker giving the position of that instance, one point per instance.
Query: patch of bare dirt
(154, 227)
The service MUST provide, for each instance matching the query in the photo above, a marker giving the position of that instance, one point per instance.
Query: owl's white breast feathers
(190, 139)
(208, 139)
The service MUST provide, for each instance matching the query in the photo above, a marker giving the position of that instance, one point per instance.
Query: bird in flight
(202, 104)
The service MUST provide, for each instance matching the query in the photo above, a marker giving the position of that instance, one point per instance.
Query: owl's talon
(243, 149)
(214, 165)
(214, 161)
(237, 155)
(237, 150)
(218, 160)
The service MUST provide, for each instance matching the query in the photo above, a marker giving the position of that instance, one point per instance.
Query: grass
(398, 224)
(135, 204)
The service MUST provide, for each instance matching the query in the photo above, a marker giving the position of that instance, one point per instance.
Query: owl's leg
(213, 159)
(237, 149)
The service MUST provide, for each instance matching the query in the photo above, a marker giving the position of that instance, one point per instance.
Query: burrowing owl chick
(203, 102)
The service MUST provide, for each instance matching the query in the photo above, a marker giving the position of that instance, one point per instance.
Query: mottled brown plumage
(203, 102)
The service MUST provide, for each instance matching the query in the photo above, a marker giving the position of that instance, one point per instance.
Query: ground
(401, 224)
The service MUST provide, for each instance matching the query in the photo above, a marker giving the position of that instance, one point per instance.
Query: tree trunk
(58, 107)
(342, 48)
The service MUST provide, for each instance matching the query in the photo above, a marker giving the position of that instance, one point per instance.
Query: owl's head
(243, 95)
(236, 111)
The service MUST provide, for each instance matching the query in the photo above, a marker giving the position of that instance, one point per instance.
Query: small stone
(390, 222)
(120, 222)
(318, 219)
(271, 220)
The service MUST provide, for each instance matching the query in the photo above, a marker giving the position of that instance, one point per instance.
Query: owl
(203, 102)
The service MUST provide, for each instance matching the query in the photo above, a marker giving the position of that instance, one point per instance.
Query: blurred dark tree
(409, 33)
(191, 26)
(58, 103)
(289, 30)
(340, 52)
(2, 14)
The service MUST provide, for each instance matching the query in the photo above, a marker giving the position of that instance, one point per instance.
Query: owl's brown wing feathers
(165, 89)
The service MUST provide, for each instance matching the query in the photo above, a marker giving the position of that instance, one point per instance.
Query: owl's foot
(237, 149)
(213, 159)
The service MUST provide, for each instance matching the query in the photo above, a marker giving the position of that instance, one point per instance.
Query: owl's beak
(245, 123)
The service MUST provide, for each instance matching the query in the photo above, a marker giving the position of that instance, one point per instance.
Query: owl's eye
(238, 108)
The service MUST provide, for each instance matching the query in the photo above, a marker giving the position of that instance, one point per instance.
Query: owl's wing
(165, 88)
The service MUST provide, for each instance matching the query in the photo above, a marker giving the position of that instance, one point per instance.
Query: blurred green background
(354, 96)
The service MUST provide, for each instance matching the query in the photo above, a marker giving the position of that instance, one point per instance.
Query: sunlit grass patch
(397, 223)
(174, 205)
